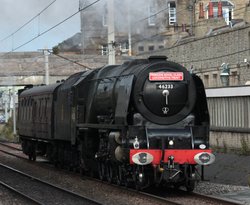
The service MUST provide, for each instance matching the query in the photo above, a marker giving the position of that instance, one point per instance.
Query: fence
(229, 116)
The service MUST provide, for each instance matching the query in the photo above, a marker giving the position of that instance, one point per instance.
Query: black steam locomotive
(145, 122)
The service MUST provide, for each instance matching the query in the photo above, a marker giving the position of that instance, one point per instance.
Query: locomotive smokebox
(164, 91)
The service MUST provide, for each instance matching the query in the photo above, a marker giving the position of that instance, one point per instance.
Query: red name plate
(166, 76)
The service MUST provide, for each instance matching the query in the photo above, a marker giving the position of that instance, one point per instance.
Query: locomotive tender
(145, 122)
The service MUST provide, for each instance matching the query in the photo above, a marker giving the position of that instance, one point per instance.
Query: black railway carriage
(144, 122)
(36, 116)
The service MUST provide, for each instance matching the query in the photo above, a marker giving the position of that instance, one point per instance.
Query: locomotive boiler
(142, 123)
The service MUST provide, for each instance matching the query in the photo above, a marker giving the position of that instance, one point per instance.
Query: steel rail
(181, 195)
(141, 194)
(11, 154)
(57, 188)
(9, 146)
(20, 193)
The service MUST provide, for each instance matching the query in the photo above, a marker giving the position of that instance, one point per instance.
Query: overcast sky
(15, 13)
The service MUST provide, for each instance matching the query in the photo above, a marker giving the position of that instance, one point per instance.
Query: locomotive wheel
(109, 172)
(190, 178)
(139, 182)
(32, 154)
(83, 167)
(128, 178)
(190, 185)
(128, 182)
(101, 171)
(118, 174)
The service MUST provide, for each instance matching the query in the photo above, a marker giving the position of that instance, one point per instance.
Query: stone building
(200, 34)
(148, 23)
(154, 24)
(206, 55)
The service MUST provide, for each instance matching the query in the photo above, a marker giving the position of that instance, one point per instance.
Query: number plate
(164, 86)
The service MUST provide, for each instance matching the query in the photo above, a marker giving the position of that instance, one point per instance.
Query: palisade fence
(229, 110)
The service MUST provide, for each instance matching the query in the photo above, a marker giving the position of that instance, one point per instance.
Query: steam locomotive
(142, 123)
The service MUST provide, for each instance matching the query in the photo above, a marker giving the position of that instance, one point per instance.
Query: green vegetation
(55, 50)
(6, 132)
(225, 149)
(245, 150)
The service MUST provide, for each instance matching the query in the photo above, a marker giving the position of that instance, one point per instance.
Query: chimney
(201, 11)
(219, 9)
(210, 10)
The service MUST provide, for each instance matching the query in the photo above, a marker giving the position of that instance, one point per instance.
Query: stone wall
(29, 67)
(26, 63)
(206, 55)
(230, 141)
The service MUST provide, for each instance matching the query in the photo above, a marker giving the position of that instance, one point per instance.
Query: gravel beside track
(209, 188)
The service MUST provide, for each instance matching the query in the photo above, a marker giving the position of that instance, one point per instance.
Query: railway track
(170, 197)
(39, 191)
(16, 191)
(12, 149)
(13, 146)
